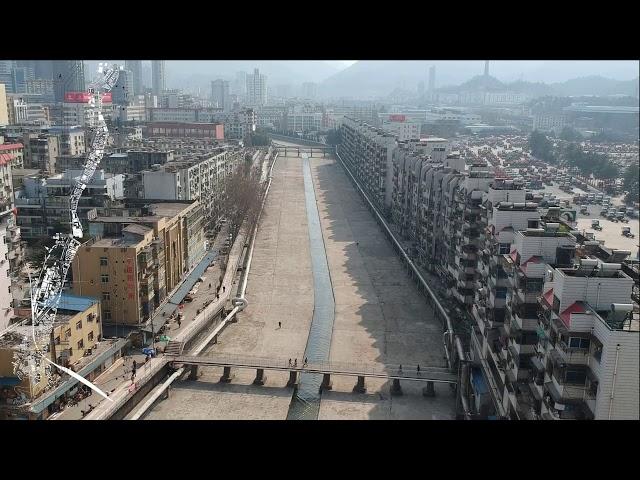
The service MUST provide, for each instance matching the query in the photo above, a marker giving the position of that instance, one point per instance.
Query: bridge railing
(240, 361)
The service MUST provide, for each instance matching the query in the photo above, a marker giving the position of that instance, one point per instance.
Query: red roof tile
(10, 146)
(575, 307)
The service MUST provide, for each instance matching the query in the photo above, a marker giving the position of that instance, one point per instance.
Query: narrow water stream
(305, 404)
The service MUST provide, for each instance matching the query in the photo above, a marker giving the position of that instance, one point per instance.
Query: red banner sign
(83, 97)
(397, 118)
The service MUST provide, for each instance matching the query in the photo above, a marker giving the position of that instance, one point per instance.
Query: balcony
(573, 356)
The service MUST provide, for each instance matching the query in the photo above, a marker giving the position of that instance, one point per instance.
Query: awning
(537, 364)
(548, 297)
(553, 391)
(557, 359)
(9, 381)
(478, 382)
(534, 392)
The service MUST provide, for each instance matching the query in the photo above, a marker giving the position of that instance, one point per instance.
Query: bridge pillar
(396, 389)
(360, 387)
(227, 376)
(326, 382)
(429, 390)
(293, 378)
(193, 373)
(260, 377)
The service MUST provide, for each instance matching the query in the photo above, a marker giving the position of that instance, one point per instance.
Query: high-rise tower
(135, 67)
(68, 76)
(158, 76)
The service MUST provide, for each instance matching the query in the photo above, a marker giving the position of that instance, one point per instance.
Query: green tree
(570, 135)
(541, 147)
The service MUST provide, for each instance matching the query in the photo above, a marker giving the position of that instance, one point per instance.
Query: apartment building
(546, 122)
(256, 89)
(503, 213)
(40, 151)
(402, 129)
(196, 177)
(504, 337)
(135, 160)
(42, 205)
(137, 257)
(587, 354)
(4, 114)
(461, 206)
(186, 130)
(77, 329)
(240, 124)
(271, 117)
(12, 152)
(369, 151)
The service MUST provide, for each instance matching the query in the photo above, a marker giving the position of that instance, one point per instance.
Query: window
(90, 337)
(79, 325)
(577, 342)
(80, 344)
(67, 334)
(104, 278)
(90, 318)
(107, 314)
(577, 377)
(504, 248)
(103, 261)
(57, 340)
(532, 224)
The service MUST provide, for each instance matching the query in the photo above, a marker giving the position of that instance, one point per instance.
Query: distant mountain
(595, 85)
(376, 78)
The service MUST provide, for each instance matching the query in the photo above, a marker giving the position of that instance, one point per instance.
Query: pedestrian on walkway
(209, 285)
(179, 322)
(295, 362)
(418, 368)
(223, 288)
(289, 362)
(135, 365)
(400, 369)
(133, 377)
(279, 324)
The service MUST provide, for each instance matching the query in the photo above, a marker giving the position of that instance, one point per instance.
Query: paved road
(380, 315)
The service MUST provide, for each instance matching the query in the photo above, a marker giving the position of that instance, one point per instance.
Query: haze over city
(319, 240)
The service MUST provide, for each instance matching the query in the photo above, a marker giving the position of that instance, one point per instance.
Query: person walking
(279, 324)
(209, 285)
(179, 322)
(295, 362)
(135, 365)
(289, 362)
(223, 288)
(400, 369)
(418, 369)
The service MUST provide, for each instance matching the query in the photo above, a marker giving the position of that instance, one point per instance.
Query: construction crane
(46, 290)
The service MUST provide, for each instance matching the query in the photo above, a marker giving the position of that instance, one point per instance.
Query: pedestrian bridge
(298, 150)
(396, 373)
